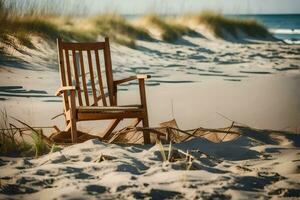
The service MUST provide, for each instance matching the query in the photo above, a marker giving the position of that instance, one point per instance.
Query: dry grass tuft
(16, 141)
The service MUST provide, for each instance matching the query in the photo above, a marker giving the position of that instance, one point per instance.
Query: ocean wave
(288, 41)
(285, 31)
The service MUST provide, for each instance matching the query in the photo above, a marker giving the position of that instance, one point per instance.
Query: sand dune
(243, 168)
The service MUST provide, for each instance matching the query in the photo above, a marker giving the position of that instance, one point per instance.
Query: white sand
(254, 84)
(240, 169)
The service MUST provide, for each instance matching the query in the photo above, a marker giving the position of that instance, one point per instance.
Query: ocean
(284, 26)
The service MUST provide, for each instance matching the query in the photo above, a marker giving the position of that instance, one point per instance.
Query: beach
(260, 93)
(248, 86)
(266, 166)
(254, 84)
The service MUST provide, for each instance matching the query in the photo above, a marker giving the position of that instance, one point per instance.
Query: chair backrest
(80, 66)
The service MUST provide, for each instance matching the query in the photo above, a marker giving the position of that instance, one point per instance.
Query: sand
(253, 83)
(244, 168)
(198, 81)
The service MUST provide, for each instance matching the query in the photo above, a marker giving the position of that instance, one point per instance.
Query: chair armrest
(131, 78)
(64, 88)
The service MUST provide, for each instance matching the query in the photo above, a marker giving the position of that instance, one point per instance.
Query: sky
(224, 6)
(133, 7)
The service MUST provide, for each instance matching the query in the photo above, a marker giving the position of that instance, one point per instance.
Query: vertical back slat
(92, 77)
(76, 74)
(83, 79)
(100, 78)
(71, 72)
(108, 70)
(62, 73)
(69, 76)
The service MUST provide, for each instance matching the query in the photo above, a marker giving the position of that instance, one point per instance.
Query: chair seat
(109, 112)
(107, 109)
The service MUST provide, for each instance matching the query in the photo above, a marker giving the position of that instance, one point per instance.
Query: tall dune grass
(170, 31)
(119, 30)
(220, 24)
(18, 28)
(21, 27)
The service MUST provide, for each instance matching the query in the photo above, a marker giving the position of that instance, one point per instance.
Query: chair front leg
(73, 117)
(145, 121)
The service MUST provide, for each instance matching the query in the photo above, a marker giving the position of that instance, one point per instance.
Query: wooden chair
(79, 68)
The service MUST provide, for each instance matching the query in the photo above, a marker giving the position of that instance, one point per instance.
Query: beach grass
(15, 26)
(171, 31)
(119, 30)
(22, 28)
(219, 24)
(9, 144)
(16, 141)
(17, 29)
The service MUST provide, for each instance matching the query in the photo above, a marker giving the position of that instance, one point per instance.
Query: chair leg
(146, 133)
(145, 121)
(73, 117)
(73, 131)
